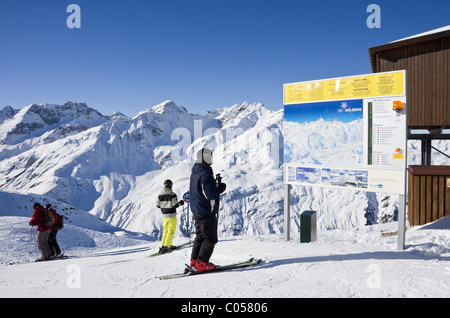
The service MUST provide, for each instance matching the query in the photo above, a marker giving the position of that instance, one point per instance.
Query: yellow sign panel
(398, 156)
(354, 87)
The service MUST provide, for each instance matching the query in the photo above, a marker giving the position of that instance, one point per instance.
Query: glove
(181, 202)
(221, 187)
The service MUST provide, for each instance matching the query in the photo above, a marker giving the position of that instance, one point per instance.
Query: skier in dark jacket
(205, 198)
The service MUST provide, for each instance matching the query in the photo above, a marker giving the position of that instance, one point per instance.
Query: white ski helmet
(205, 155)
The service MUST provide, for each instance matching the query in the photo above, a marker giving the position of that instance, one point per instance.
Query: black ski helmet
(205, 156)
(168, 183)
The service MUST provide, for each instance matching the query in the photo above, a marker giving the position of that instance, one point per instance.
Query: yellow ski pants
(170, 225)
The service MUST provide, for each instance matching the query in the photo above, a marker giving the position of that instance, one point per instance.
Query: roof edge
(422, 37)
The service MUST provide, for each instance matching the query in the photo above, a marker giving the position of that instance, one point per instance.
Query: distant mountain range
(114, 166)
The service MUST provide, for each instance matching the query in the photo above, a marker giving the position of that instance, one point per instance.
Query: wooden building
(426, 58)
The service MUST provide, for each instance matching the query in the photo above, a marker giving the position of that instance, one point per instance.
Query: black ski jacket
(203, 190)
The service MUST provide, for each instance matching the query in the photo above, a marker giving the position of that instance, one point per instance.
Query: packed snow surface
(358, 262)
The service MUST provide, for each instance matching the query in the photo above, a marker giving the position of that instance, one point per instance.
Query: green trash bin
(308, 226)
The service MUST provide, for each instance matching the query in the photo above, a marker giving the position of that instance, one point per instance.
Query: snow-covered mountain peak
(6, 113)
(244, 115)
(168, 107)
(52, 113)
(38, 119)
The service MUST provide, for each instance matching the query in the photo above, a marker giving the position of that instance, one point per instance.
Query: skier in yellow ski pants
(170, 225)
(168, 203)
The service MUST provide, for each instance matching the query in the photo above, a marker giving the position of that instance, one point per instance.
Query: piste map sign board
(347, 132)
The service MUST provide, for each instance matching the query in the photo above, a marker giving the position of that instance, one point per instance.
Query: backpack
(60, 223)
(49, 220)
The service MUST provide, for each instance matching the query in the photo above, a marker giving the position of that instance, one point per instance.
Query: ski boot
(163, 250)
(204, 266)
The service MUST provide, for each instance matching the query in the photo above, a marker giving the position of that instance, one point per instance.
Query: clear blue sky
(202, 54)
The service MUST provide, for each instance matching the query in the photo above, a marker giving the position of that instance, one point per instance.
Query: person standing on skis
(38, 219)
(52, 242)
(204, 199)
(168, 202)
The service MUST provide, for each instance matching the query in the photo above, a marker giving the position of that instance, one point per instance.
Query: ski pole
(187, 221)
(29, 241)
(185, 232)
(189, 230)
(35, 242)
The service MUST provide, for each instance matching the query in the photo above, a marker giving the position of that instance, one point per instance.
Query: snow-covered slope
(357, 262)
(82, 232)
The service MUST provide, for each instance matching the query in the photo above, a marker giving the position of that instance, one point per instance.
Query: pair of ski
(40, 260)
(171, 250)
(190, 271)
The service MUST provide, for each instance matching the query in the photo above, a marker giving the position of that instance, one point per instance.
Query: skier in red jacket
(43, 231)
(52, 243)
